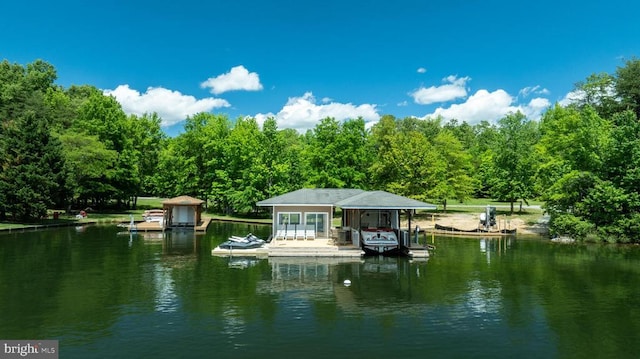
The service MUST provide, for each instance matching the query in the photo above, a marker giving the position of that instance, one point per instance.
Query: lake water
(109, 295)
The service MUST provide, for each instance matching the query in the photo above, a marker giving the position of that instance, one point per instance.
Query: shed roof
(183, 201)
(346, 199)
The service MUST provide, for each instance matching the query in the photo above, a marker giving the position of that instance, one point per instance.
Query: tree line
(72, 147)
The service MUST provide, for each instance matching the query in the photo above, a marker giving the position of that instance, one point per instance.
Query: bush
(571, 226)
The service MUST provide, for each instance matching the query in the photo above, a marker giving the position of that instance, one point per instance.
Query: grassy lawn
(481, 202)
(150, 202)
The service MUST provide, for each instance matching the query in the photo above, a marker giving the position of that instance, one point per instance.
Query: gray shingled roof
(382, 200)
(311, 196)
(346, 199)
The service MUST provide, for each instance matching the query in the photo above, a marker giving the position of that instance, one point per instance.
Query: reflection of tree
(74, 282)
(586, 293)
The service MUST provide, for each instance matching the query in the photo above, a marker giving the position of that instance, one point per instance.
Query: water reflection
(166, 300)
(495, 245)
(504, 297)
(174, 243)
(242, 262)
(375, 285)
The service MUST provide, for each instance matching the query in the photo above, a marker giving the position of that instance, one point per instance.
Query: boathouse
(183, 211)
(307, 213)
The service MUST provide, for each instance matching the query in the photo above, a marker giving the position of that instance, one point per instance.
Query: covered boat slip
(306, 214)
(183, 212)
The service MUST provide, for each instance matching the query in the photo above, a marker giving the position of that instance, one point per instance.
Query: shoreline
(462, 221)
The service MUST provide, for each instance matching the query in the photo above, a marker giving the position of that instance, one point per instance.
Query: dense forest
(72, 147)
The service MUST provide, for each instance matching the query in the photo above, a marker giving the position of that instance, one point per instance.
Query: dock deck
(157, 227)
(319, 247)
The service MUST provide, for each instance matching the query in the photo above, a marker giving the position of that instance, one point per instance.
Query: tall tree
(32, 165)
(281, 160)
(245, 169)
(512, 177)
(628, 85)
(456, 180)
(89, 164)
(406, 163)
(336, 154)
(147, 140)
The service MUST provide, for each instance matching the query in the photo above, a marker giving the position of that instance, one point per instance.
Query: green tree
(406, 163)
(280, 161)
(455, 180)
(512, 176)
(598, 92)
(147, 140)
(32, 173)
(31, 168)
(336, 154)
(627, 85)
(89, 165)
(245, 169)
(482, 151)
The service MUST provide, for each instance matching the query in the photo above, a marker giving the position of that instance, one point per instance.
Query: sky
(302, 61)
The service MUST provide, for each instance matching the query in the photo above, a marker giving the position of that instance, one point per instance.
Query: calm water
(105, 295)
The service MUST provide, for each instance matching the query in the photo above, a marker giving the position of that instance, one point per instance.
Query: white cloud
(303, 113)
(491, 106)
(572, 97)
(579, 96)
(532, 90)
(534, 109)
(171, 106)
(455, 88)
(421, 70)
(239, 78)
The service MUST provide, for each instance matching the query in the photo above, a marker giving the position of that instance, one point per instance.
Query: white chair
(310, 233)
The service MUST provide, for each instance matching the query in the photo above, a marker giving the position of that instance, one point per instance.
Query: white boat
(379, 241)
(153, 215)
(247, 242)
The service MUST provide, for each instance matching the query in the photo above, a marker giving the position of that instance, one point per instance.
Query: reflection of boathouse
(370, 219)
(378, 285)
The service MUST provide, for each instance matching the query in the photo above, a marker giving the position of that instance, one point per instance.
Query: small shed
(183, 211)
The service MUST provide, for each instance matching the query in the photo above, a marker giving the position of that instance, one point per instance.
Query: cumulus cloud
(171, 106)
(453, 88)
(491, 106)
(534, 109)
(303, 113)
(239, 78)
(421, 70)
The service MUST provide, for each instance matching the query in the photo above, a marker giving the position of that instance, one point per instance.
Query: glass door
(317, 222)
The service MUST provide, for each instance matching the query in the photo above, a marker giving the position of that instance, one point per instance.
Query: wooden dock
(157, 227)
(317, 248)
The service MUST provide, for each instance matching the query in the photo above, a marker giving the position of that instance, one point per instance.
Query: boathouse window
(289, 218)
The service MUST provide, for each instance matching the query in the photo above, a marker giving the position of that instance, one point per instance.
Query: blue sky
(300, 61)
